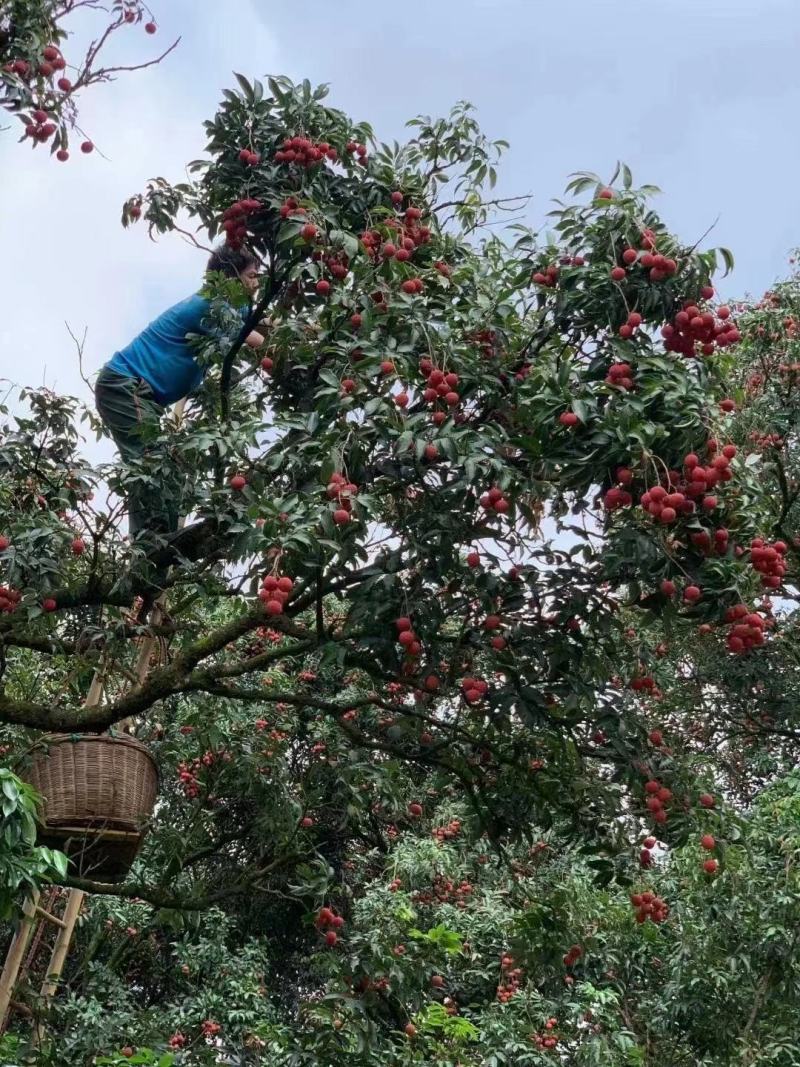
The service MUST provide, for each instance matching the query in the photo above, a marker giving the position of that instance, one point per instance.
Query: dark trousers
(132, 416)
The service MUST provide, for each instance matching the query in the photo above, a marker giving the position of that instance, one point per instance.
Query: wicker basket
(98, 794)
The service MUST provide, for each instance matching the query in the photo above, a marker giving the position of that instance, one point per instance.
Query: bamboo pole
(33, 914)
(58, 957)
(15, 955)
(47, 899)
(61, 947)
(95, 694)
(54, 919)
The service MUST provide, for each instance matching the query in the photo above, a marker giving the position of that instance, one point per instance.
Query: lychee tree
(41, 77)
(457, 532)
(447, 952)
(707, 690)
(411, 425)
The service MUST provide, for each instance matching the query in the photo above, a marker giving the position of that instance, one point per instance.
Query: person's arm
(254, 339)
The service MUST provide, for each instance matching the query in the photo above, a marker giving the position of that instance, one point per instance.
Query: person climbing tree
(157, 369)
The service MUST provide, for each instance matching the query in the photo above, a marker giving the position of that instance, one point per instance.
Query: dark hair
(231, 261)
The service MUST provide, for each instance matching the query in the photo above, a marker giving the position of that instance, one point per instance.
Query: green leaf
(10, 786)
(247, 88)
(276, 90)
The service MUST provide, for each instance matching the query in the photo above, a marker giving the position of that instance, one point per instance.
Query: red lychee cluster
(364, 984)
(643, 683)
(546, 1039)
(486, 340)
(630, 326)
(617, 497)
(329, 922)
(620, 376)
(441, 389)
(649, 906)
(337, 263)
(445, 891)
(354, 148)
(9, 599)
(646, 854)
(263, 636)
(573, 954)
(680, 493)
(274, 593)
(474, 689)
(234, 220)
(768, 560)
(41, 129)
(495, 501)
(249, 158)
(406, 235)
(658, 267)
(341, 492)
(412, 286)
(657, 796)
(447, 832)
(694, 332)
(304, 152)
(406, 636)
(51, 61)
(510, 980)
(189, 773)
(291, 207)
(709, 843)
(547, 277)
(747, 628)
(762, 441)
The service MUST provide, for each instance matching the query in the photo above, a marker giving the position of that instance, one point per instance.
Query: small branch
(106, 73)
(273, 288)
(191, 239)
(499, 202)
(758, 999)
(703, 236)
(263, 660)
(79, 346)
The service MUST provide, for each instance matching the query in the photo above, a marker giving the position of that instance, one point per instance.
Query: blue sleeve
(196, 320)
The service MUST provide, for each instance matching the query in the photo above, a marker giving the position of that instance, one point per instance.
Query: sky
(699, 97)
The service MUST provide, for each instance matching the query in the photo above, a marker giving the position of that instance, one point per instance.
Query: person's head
(236, 263)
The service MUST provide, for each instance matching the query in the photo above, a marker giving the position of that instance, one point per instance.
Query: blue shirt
(162, 355)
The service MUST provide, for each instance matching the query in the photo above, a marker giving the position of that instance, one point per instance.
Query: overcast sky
(700, 97)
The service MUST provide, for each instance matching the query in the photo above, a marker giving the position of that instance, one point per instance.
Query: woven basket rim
(106, 739)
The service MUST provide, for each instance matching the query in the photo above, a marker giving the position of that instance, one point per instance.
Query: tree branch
(160, 899)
